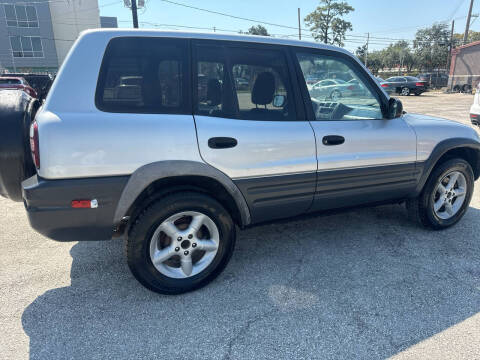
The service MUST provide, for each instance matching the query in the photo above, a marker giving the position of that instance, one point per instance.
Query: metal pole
(134, 14)
(366, 50)
(299, 27)
(449, 56)
(467, 26)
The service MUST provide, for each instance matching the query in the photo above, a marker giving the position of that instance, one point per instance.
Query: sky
(385, 20)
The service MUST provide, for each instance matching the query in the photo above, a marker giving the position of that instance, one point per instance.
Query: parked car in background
(434, 79)
(475, 109)
(404, 85)
(17, 83)
(39, 82)
(331, 89)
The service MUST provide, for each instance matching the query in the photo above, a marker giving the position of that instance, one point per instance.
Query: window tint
(243, 83)
(262, 84)
(144, 75)
(10, 81)
(342, 94)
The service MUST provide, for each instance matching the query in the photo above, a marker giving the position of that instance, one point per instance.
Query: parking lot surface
(360, 284)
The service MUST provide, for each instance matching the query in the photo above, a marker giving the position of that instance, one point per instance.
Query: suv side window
(144, 75)
(344, 94)
(241, 83)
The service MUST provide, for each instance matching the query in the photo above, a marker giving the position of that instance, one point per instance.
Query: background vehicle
(174, 168)
(434, 79)
(332, 89)
(475, 109)
(17, 83)
(404, 85)
(39, 82)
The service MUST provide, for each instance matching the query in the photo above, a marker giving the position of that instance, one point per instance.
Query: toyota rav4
(172, 140)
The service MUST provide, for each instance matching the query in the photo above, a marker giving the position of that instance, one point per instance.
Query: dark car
(404, 85)
(434, 79)
(40, 82)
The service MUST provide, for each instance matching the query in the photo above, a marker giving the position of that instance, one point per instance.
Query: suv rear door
(257, 134)
(362, 157)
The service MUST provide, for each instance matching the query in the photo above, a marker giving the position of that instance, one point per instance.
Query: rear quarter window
(144, 75)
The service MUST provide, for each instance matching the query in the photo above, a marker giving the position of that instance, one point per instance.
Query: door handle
(333, 140)
(222, 142)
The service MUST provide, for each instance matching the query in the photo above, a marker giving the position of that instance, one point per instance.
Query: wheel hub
(197, 240)
(449, 195)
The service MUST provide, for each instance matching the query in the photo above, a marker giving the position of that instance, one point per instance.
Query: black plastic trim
(48, 205)
(284, 196)
(275, 197)
(426, 167)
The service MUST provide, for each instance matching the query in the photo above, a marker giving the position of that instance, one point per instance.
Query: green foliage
(472, 36)
(326, 21)
(431, 46)
(257, 30)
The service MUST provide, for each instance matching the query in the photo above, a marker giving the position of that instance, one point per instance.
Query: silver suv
(174, 139)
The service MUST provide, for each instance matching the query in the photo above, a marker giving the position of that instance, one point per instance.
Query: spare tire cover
(17, 110)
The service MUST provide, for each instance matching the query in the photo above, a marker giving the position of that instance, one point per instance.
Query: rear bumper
(48, 205)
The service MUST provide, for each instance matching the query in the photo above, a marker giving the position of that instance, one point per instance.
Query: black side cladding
(17, 111)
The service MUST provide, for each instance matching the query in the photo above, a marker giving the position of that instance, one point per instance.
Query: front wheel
(405, 91)
(445, 197)
(180, 243)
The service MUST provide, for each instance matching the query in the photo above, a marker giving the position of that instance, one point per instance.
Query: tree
(472, 36)
(360, 52)
(431, 46)
(257, 30)
(326, 21)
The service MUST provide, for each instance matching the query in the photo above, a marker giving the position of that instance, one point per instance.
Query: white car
(475, 109)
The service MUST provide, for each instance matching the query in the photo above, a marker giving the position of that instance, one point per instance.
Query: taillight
(384, 85)
(419, 84)
(34, 144)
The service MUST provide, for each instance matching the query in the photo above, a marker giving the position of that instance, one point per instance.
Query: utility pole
(450, 48)
(467, 26)
(134, 14)
(366, 50)
(299, 27)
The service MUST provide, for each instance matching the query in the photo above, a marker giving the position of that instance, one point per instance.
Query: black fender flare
(147, 174)
(441, 149)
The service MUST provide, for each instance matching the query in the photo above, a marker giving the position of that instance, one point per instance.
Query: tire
(171, 276)
(467, 88)
(421, 209)
(405, 91)
(17, 111)
(456, 88)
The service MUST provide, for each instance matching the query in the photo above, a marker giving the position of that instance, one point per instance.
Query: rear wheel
(445, 197)
(180, 243)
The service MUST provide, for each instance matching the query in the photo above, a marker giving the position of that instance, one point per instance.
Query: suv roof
(111, 33)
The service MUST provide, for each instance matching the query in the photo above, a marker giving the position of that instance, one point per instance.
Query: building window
(26, 46)
(21, 15)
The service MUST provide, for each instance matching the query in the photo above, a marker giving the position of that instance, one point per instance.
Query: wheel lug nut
(179, 238)
(185, 253)
(177, 249)
(190, 236)
(194, 245)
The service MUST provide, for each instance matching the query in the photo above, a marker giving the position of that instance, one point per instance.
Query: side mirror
(279, 101)
(395, 108)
